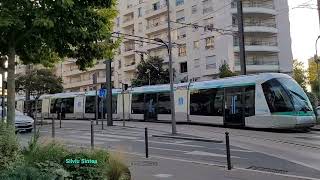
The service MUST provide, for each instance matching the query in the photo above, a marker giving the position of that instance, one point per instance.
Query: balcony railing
(156, 24)
(126, 49)
(262, 24)
(130, 64)
(257, 43)
(128, 19)
(262, 61)
(252, 4)
(154, 10)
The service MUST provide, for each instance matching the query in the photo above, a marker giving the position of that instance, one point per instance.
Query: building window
(196, 44)
(208, 24)
(181, 32)
(194, 9)
(183, 67)
(195, 27)
(139, 12)
(182, 50)
(156, 6)
(196, 63)
(140, 27)
(210, 62)
(209, 42)
(179, 2)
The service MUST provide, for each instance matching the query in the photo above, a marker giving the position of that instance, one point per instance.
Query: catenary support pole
(173, 115)
(241, 38)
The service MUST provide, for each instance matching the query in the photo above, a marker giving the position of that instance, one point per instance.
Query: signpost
(102, 94)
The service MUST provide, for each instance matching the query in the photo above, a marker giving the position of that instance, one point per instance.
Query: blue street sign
(102, 92)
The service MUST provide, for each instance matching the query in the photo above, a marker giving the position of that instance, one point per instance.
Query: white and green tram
(267, 100)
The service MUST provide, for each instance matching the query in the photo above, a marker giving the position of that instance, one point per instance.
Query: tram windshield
(285, 95)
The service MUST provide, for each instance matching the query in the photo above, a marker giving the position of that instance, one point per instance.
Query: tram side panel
(123, 99)
(45, 108)
(79, 107)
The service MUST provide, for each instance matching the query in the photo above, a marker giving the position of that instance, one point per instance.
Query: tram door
(234, 114)
(150, 107)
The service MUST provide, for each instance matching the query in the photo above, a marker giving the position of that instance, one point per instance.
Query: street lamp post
(316, 59)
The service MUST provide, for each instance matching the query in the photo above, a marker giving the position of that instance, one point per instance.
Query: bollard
(102, 123)
(53, 128)
(60, 119)
(92, 135)
(146, 142)
(228, 151)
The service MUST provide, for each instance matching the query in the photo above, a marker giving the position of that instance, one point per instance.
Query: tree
(312, 76)
(154, 66)
(43, 32)
(299, 74)
(224, 71)
(39, 82)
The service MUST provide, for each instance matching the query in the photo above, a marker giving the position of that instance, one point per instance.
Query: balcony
(259, 64)
(131, 66)
(128, 21)
(129, 50)
(260, 26)
(150, 13)
(258, 46)
(156, 27)
(255, 7)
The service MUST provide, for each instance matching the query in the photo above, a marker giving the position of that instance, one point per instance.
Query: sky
(304, 30)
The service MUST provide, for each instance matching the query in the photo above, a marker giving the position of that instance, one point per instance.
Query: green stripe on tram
(300, 113)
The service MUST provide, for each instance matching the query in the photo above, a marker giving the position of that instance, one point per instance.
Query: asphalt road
(183, 159)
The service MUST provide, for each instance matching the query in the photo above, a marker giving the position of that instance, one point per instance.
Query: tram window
(53, 106)
(277, 98)
(250, 101)
(68, 105)
(207, 102)
(164, 103)
(114, 104)
(89, 107)
(137, 104)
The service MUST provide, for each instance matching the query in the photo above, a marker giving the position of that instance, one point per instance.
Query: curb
(315, 129)
(188, 138)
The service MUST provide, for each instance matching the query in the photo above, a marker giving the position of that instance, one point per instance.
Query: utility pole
(109, 92)
(28, 71)
(241, 38)
(316, 59)
(173, 113)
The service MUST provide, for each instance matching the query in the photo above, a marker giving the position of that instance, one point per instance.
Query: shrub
(25, 173)
(117, 170)
(9, 147)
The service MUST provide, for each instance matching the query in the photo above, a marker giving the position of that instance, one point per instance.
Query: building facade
(204, 36)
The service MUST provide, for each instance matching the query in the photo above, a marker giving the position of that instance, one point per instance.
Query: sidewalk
(156, 168)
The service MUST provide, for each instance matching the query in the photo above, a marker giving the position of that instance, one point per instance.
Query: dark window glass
(137, 106)
(52, 105)
(164, 103)
(67, 105)
(207, 102)
(183, 67)
(250, 101)
(89, 107)
(277, 97)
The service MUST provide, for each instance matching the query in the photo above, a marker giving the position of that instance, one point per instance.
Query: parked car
(318, 111)
(22, 122)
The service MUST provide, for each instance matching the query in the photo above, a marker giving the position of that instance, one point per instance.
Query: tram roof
(216, 83)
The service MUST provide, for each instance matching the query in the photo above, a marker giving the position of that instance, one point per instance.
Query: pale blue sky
(304, 30)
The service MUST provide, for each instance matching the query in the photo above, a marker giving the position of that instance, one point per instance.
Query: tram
(266, 100)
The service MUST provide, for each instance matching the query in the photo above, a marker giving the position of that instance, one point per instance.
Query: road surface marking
(156, 142)
(113, 136)
(163, 175)
(95, 138)
(201, 153)
(168, 149)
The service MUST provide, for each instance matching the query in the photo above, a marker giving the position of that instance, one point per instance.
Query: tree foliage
(299, 74)
(312, 76)
(43, 32)
(158, 74)
(39, 82)
(224, 71)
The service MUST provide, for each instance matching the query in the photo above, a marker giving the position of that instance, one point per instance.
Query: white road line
(157, 142)
(202, 153)
(113, 136)
(166, 149)
(95, 138)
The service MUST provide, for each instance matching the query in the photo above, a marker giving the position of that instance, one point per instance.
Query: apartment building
(198, 49)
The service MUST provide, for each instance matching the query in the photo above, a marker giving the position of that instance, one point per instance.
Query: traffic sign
(102, 92)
